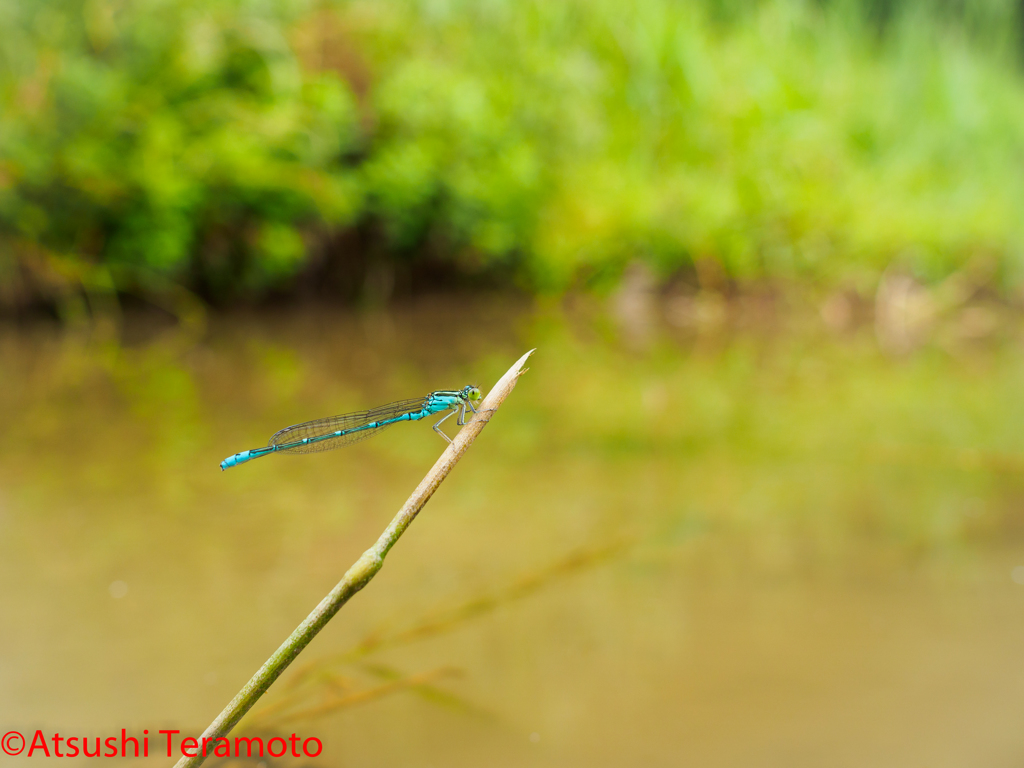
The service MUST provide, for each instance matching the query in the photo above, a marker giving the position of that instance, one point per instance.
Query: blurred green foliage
(226, 144)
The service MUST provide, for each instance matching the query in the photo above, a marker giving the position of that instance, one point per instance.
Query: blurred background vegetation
(251, 149)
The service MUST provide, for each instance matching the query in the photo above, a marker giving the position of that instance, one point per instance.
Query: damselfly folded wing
(324, 428)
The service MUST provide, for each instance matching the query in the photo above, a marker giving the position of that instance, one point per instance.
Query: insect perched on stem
(336, 431)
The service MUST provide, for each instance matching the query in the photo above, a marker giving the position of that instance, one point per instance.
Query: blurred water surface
(774, 546)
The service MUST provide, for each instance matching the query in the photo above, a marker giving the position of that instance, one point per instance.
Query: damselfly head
(472, 393)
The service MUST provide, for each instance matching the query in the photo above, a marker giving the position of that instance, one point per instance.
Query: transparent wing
(321, 427)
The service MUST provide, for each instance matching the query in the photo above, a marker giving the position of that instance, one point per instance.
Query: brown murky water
(775, 549)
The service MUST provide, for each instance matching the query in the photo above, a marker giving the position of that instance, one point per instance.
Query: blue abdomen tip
(235, 460)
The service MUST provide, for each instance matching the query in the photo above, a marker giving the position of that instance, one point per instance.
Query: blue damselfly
(336, 431)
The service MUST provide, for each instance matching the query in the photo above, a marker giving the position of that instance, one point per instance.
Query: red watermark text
(165, 743)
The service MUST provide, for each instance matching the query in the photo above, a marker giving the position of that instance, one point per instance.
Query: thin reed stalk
(359, 575)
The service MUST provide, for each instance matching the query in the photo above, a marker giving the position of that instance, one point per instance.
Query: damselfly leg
(437, 427)
(462, 413)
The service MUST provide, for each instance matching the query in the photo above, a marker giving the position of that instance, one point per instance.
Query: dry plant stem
(361, 697)
(359, 575)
